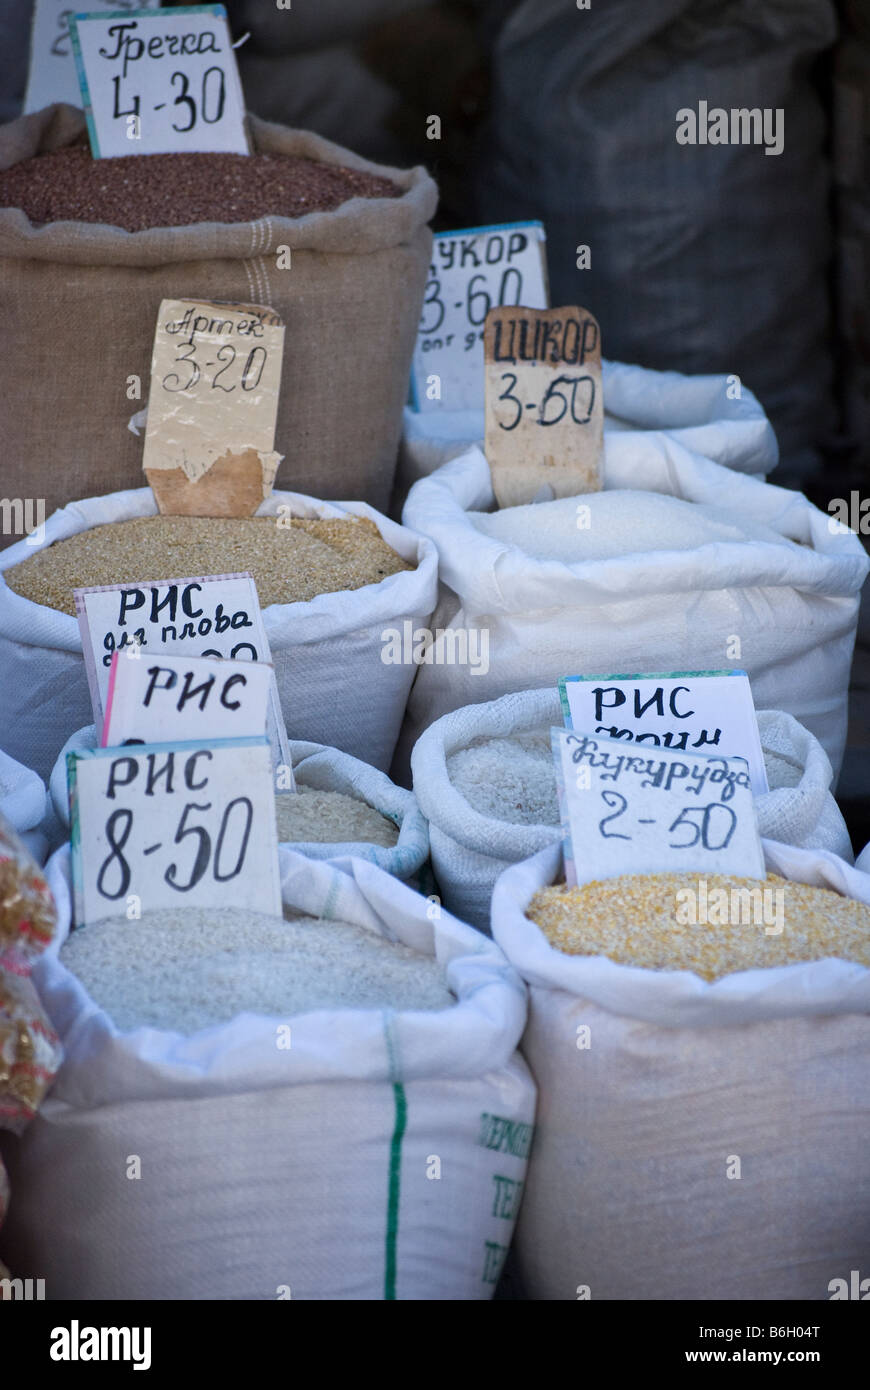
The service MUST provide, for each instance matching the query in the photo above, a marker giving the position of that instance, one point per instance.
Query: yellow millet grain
(290, 563)
(638, 919)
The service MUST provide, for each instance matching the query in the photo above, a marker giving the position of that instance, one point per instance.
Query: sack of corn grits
(484, 778)
(678, 564)
(347, 1153)
(318, 769)
(696, 1140)
(334, 687)
(640, 406)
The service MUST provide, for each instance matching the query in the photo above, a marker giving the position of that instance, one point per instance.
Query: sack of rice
(679, 564)
(329, 586)
(23, 802)
(343, 1116)
(102, 242)
(701, 1050)
(640, 407)
(345, 808)
(484, 778)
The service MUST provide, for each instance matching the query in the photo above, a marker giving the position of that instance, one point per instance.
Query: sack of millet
(701, 1048)
(344, 1116)
(337, 246)
(331, 579)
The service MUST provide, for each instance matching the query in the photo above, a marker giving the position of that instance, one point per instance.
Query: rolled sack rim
(388, 222)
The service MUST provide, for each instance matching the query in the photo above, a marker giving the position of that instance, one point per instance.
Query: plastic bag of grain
(701, 569)
(702, 412)
(24, 803)
(348, 1153)
(484, 779)
(341, 796)
(334, 687)
(352, 295)
(697, 1140)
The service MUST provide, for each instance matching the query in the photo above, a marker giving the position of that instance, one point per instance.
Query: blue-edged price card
(173, 824)
(630, 810)
(689, 711)
(161, 82)
(472, 271)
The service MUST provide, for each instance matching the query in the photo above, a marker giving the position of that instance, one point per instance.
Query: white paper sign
(52, 73)
(471, 272)
(159, 83)
(210, 615)
(173, 825)
(185, 697)
(691, 711)
(647, 811)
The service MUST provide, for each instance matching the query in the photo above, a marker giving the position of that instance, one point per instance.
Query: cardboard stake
(544, 403)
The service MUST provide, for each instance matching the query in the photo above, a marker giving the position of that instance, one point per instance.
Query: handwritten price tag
(688, 711)
(470, 272)
(544, 403)
(173, 823)
(210, 615)
(185, 697)
(215, 384)
(627, 811)
(52, 73)
(159, 83)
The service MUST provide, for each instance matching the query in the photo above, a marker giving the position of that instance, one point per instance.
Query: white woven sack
(310, 1169)
(792, 604)
(23, 803)
(702, 1141)
(324, 769)
(470, 850)
(697, 411)
(334, 687)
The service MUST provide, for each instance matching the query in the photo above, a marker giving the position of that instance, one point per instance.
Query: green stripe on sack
(393, 1196)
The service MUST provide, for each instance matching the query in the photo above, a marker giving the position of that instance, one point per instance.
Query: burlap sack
(79, 301)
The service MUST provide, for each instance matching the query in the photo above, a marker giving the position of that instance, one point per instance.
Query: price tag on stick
(212, 408)
(173, 824)
(627, 810)
(52, 73)
(154, 698)
(159, 83)
(211, 615)
(544, 403)
(470, 272)
(688, 711)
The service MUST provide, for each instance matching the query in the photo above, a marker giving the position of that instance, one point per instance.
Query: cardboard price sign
(544, 403)
(657, 811)
(688, 711)
(212, 408)
(209, 615)
(159, 83)
(185, 697)
(470, 272)
(52, 73)
(172, 824)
